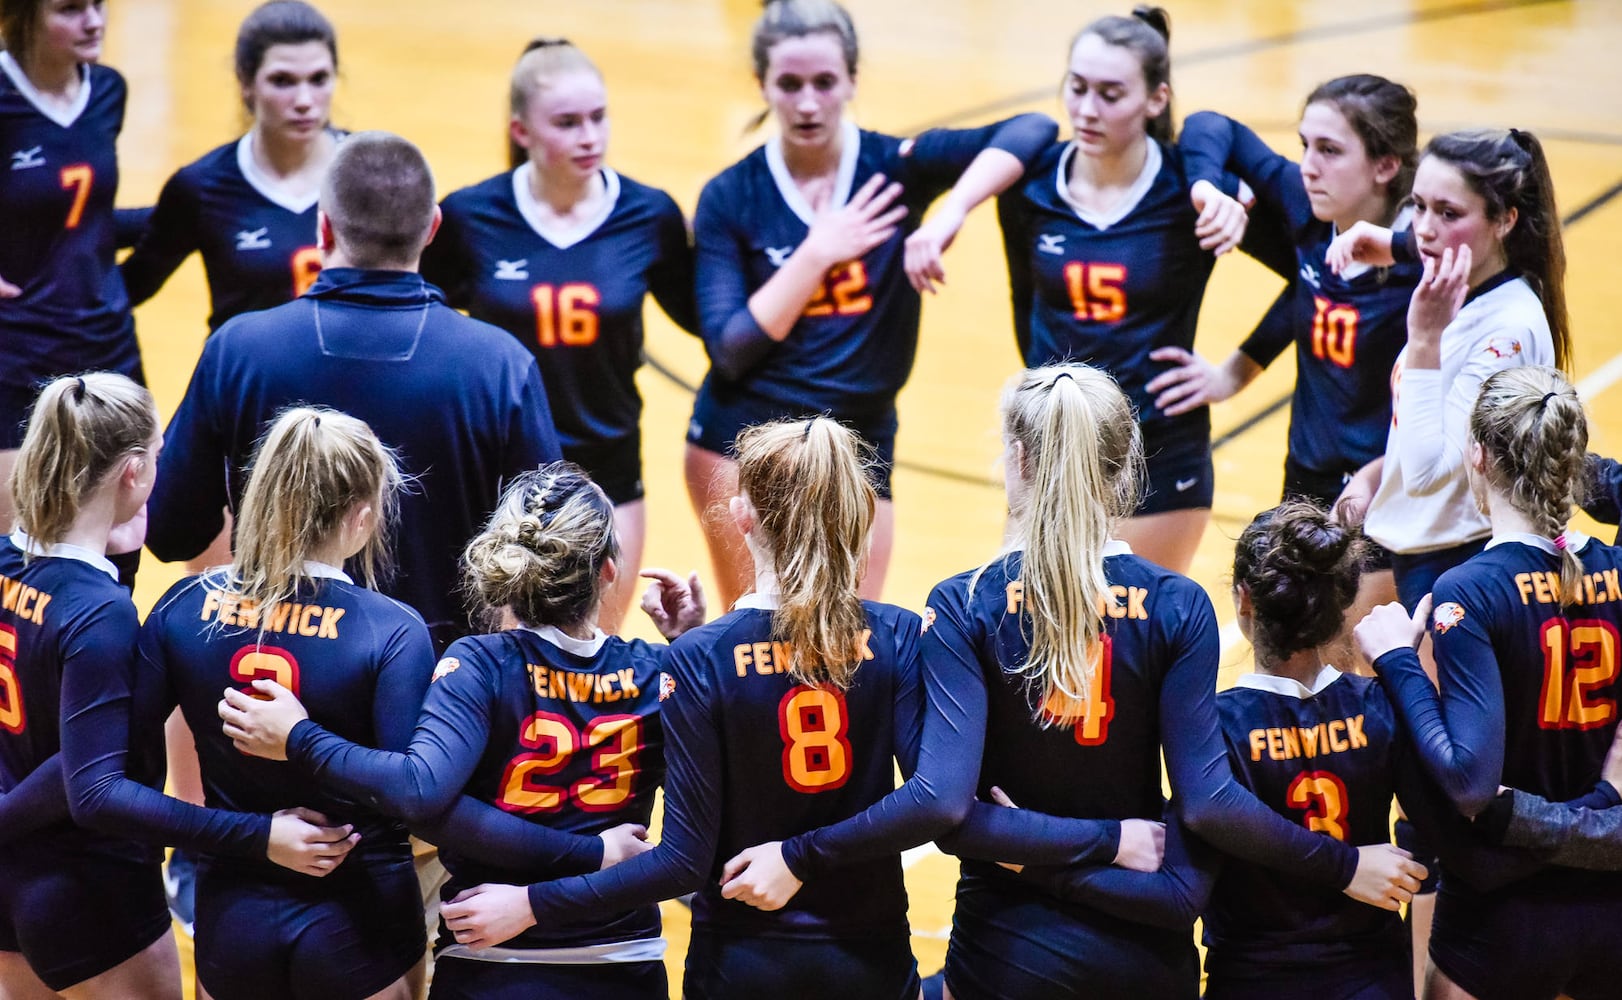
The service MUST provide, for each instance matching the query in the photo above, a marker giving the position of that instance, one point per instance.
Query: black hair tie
(1544, 402)
(78, 389)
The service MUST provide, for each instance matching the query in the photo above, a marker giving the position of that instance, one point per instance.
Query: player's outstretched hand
(1363, 243)
(674, 604)
(486, 915)
(1387, 876)
(304, 841)
(759, 876)
(1439, 297)
(623, 842)
(258, 722)
(925, 247)
(1222, 221)
(1193, 383)
(8, 290)
(1143, 845)
(1389, 627)
(852, 229)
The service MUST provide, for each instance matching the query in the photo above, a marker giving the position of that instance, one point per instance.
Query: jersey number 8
(816, 752)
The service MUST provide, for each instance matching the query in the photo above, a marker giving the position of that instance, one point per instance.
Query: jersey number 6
(11, 693)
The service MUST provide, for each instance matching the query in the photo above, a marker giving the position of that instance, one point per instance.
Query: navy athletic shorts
(75, 914)
(616, 465)
(1014, 944)
(1559, 931)
(715, 427)
(1179, 474)
(349, 934)
(722, 966)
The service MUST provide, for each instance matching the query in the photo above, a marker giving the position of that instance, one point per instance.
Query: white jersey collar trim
(28, 90)
(1575, 540)
(62, 550)
(758, 602)
(1140, 187)
(1289, 687)
(851, 137)
(1116, 547)
(567, 642)
(264, 185)
(560, 236)
(325, 571)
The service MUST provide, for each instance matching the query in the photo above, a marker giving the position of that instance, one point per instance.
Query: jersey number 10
(1334, 332)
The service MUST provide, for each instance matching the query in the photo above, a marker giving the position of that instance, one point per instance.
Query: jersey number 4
(553, 741)
(11, 693)
(565, 314)
(816, 749)
(1323, 796)
(1579, 657)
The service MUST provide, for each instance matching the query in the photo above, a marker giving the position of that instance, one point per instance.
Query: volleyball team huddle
(407, 474)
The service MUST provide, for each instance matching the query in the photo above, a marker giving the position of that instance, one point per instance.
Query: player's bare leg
(17, 979)
(631, 528)
(712, 482)
(1169, 539)
(151, 974)
(878, 556)
(1439, 987)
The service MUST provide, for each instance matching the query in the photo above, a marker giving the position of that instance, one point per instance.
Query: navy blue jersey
(1327, 759)
(1105, 294)
(1348, 328)
(1528, 687)
(574, 298)
(357, 660)
(755, 756)
(853, 346)
(258, 246)
(564, 733)
(56, 196)
(61, 615)
(1153, 691)
(461, 404)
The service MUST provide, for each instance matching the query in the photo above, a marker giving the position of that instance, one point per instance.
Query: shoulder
(108, 81)
(178, 598)
(732, 182)
(482, 195)
(217, 162)
(387, 610)
(897, 620)
(700, 645)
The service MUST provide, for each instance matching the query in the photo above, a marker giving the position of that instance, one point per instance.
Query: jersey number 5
(565, 314)
(1573, 670)
(79, 177)
(1323, 796)
(553, 741)
(11, 693)
(816, 752)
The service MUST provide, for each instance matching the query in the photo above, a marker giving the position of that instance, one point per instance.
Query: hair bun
(1155, 17)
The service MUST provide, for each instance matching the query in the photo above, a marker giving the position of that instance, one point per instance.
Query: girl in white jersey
(1492, 297)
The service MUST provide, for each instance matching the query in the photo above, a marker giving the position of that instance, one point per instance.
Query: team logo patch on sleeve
(449, 665)
(1447, 616)
(667, 685)
(1503, 347)
(929, 617)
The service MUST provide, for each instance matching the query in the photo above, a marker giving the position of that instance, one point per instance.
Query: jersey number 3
(11, 693)
(816, 749)
(1323, 796)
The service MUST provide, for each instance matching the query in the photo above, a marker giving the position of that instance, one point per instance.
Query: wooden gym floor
(681, 92)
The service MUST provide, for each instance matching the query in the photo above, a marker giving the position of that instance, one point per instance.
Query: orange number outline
(566, 314)
(1334, 332)
(1096, 290)
(13, 718)
(1323, 795)
(553, 741)
(1569, 679)
(271, 662)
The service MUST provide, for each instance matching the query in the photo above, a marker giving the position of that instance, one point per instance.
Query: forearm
(38, 801)
(1028, 837)
(483, 833)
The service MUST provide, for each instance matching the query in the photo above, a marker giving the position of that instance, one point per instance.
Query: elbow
(1205, 817)
(87, 804)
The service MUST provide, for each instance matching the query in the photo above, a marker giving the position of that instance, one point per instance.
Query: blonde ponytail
(1080, 456)
(814, 510)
